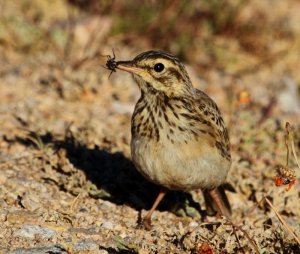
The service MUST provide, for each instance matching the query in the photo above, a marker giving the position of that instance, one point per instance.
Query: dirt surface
(67, 183)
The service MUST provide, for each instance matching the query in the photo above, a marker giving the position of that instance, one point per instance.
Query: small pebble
(85, 246)
(31, 231)
(193, 224)
(108, 225)
(57, 249)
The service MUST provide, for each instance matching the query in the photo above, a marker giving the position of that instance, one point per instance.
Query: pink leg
(147, 219)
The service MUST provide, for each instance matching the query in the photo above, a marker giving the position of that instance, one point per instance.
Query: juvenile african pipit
(179, 140)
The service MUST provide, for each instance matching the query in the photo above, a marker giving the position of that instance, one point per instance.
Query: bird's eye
(159, 67)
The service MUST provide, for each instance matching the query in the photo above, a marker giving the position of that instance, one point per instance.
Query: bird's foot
(146, 224)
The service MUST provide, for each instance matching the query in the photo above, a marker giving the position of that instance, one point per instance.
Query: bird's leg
(222, 205)
(211, 210)
(147, 219)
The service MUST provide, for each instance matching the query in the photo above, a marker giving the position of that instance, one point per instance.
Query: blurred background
(207, 33)
(237, 38)
(65, 124)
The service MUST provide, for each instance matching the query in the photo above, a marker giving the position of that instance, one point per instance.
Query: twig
(251, 210)
(236, 237)
(289, 129)
(287, 227)
(294, 153)
(252, 242)
(228, 222)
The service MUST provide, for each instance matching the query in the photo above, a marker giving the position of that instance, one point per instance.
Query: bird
(179, 140)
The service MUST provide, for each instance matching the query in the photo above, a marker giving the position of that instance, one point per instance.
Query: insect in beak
(111, 63)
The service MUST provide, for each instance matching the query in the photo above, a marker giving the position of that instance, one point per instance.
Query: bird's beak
(129, 67)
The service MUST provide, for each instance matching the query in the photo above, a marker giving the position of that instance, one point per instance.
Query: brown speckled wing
(212, 115)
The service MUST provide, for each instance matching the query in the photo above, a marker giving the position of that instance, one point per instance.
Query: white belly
(179, 165)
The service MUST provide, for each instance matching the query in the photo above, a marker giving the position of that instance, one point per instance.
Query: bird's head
(158, 71)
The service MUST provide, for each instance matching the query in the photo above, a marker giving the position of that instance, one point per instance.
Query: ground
(67, 183)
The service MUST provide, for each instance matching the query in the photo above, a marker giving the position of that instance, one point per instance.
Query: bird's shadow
(116, 174)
